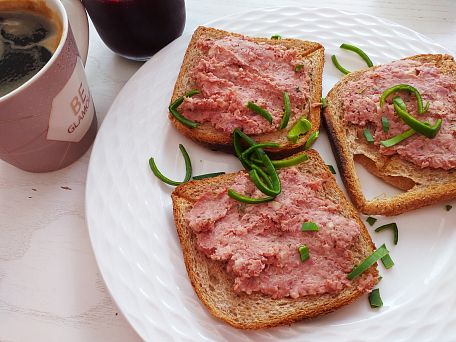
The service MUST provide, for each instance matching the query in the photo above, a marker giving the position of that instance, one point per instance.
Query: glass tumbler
(137, 29)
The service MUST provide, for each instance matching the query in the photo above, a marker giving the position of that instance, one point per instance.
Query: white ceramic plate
(129, 211)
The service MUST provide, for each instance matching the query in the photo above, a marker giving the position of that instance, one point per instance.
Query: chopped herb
(368, 262)
(309, 227)
(298, 67)
(387, 261)
(313, 137)
(393, 227)
(259, 110)
(303, 252)
(368, 135)
(385, 124)
(302, 126)
(208, 175)
(332, 169)
(375, 300)
(276, 36)
(371, 220)
(323, 102)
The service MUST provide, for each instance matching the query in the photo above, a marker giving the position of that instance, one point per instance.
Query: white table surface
(50, 285)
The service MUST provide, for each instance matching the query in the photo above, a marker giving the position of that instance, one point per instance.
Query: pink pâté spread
(233, 71)
(259, 242)
(361, 107)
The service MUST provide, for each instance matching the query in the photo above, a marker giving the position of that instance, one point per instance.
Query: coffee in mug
(47, 117)
(27, 41)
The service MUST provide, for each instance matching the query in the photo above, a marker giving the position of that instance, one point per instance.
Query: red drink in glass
(137, 29)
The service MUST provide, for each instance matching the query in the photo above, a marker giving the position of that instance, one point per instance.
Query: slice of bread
(421, 186)
(214, 285)
(216, 139)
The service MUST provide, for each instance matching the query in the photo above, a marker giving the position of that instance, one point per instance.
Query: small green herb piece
(238, 135)
(332, 169)
(394, 140)
(393, 227)
(303, 253)
(264, 188)
(164, 179)
(338, 66)
(302, 126)
(418, 126)
(324, 103)
(178, 116)
(368, 135)
(387, 261)
(375, 300)
(298, 67)
(368, 262)
(286, 112)
(371, 220)
(250, 200)
(309, 227)
(421, 109)
(208, 175)
(385, 124)
(358, 51)
(255, 147)
(448, 207)
(276, 36)
(257, 109)
(290, 161)
(313, 137)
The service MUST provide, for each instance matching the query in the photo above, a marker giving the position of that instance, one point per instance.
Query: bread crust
(214, 286)
(421, 186)
(214, 139)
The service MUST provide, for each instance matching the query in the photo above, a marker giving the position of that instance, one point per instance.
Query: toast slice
(421, 186)
(206, 134)
(214, 285)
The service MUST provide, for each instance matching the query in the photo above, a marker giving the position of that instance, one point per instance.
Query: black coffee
(25, 47)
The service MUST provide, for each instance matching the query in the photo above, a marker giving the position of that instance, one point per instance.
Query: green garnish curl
(312, 138)
(250, 200)
(259, 110)
(360, 53)
(393, 227)
(418, 126)
(302, 126)
(405, 87)
(178, 116)
(208, 175)
(286, 112)
(164, 179)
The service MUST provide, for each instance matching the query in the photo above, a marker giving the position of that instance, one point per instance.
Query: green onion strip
(368, 262)
(287, 111)
(178, 116)
(163, 178)
(375, 300)
(393, 227)
(302, 126)
(259, 110)
(360, 53)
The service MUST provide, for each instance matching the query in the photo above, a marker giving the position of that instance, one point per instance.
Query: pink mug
(49, 121)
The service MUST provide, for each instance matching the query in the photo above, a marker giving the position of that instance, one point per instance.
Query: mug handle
(79, 25)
